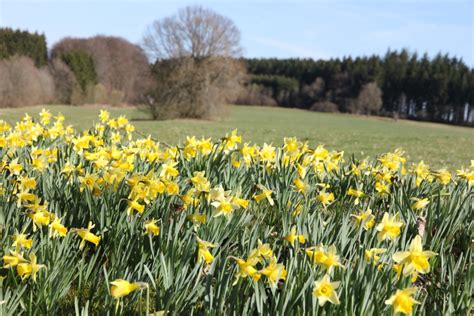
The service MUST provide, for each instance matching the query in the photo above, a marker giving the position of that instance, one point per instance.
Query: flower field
(101, 222)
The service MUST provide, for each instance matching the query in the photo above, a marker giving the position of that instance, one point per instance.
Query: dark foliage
(437, 89)
(23, 43)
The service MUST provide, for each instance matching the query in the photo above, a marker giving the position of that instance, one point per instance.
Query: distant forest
(105, 69)
(439, 89)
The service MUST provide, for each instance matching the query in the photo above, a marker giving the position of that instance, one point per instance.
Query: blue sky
(298, 28)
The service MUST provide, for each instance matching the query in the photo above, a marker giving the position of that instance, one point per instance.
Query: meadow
(438, 145)
(100, 220)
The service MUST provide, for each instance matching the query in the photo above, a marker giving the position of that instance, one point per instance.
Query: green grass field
(438, 145)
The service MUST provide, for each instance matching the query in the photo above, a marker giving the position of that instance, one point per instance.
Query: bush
(22, 84)
(324, 106)
(255, 94)
(369, 100)
(191, 88)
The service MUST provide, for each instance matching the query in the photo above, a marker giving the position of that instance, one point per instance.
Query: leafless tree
(64, 81)
(369, 100)
(22, 84)
(194, 32)
(196, 70)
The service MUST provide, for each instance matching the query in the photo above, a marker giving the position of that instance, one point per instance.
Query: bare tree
(194, 32)
(22, 84)
(369, 100)
(64, 81)
(196, 71)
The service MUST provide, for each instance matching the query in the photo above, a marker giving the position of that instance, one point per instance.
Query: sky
(320, 29)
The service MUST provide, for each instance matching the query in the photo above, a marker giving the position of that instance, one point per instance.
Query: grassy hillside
(436, 144)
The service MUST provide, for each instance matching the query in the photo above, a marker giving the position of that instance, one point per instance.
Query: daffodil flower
(121, 288)
(292, 237)
(327, 258)
(151, 227)
(246, 269)
(274, 271)
(403, 301)
(389, 228)
(266, 194)
(415, 259)
(31, 268)
(203, 251)
(325, 291)
(86, 235)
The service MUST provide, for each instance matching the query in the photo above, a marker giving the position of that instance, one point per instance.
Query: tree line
(403, 84)
(189, 65)
(18, 42)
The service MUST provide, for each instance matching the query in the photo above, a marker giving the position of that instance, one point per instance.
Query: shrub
(22, 84)
(369, 100)
(324, 106)
(255, 94)
(191, 88)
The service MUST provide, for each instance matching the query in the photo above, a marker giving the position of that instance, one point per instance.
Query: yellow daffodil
(104, 116)
(197, 218)
(259, 254)
(301, 186)
(151, 227)
(29, 268)
(40, 218)
(20, 240)
(246, 269)
(13, 259)
(389, 228)
(325, 291)
(274, 271)
(121, 288)
(419, 203)
(365, 218)
(135, 206)
(292, 237)
(57, 229)
(168, 170)
(14, 167)
(86, 235)
(443, 176)
(266, 194)
(355, 193)
(371, 255)
(203, 251)
(239, 202)
(327, 258)
(382, 187)
(325, 198)
(403, 301)
(200, 182)
(415, 259)
(223, 206)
